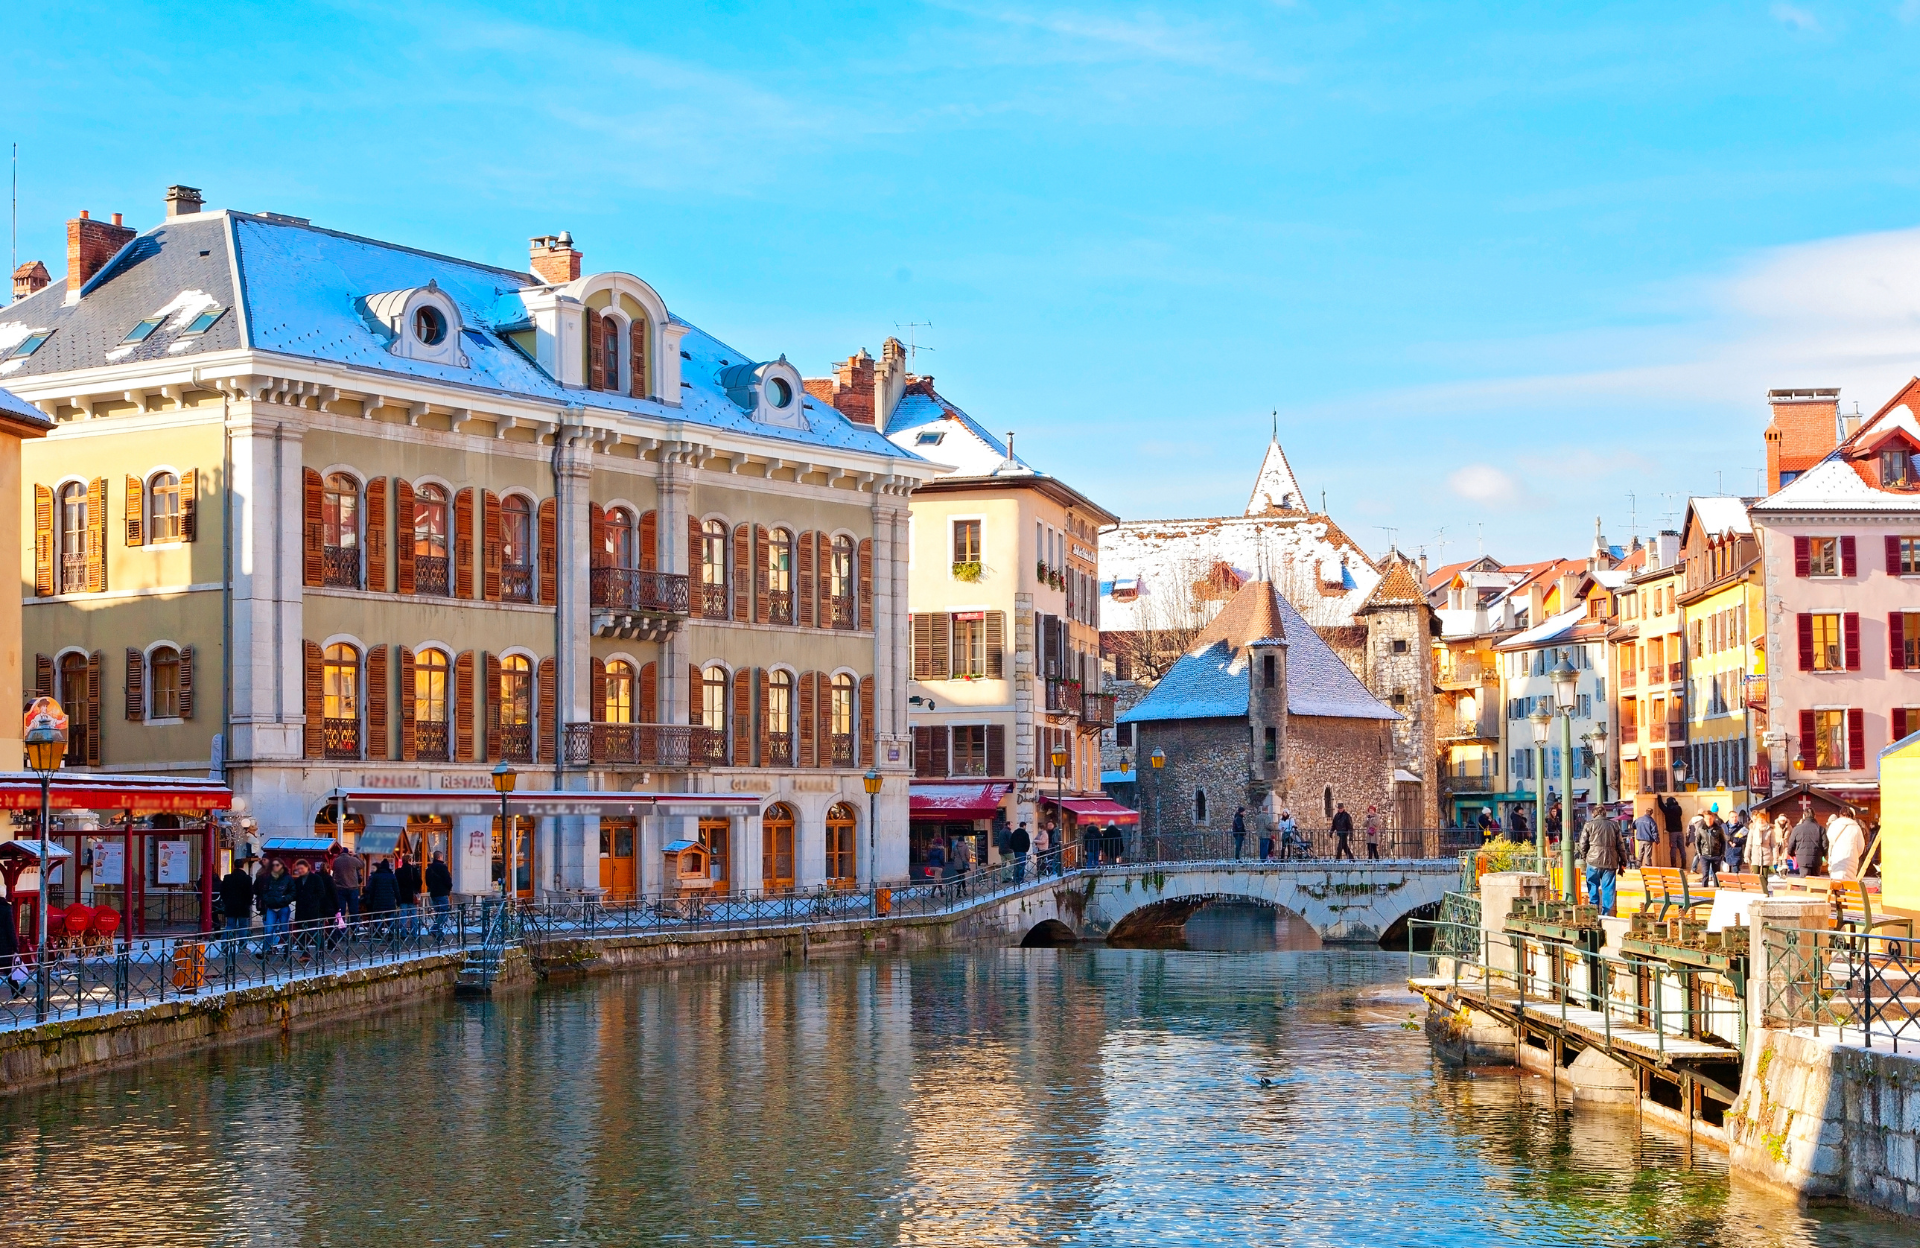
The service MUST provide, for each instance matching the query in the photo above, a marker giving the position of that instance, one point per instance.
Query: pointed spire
(1276, 489)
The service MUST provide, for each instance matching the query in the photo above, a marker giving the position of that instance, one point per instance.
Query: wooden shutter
(377, 535)
(637, 361)
(804, 756)
(762, 584)
(763, 728)
(403, 570)
(649, 695)
(1850, 634)
(136, 686)
(136, 510)
(823, 573)
(42, 540)
(649, 541)
(1897, 640)
(1802, 556)
(596, 536)
(1805, 622)
(1856, 738)
(696, 693)
(922, 751)
(463, 707)
(548, 522)
(1849, 556)
(742, 723)
(1051, 633)
(996, 749)
(463, 544)
(316, 706)
(189, 512)
(596, 690)
(313, 557)
(489, 700)
(803, 580)
(823, 707)
(866, 757)
(490, 547)
(1893, 556)
(42, 675)
(996, 645)
(940, 632)
(596, 353)
(379, 698)
(409, 726)
(920, 633)
(546, 711)
(1808, 729)
(694, 560)
(742, 573)
(96, 542)
(186, 682)
(863, 607)
(1899, 724)
(941, 737)
(96, 665)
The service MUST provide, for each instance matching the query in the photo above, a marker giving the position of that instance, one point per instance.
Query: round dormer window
(429, 326)
(779, 393)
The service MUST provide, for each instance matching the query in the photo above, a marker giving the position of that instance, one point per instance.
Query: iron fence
(1860, 984)
(1303, 845)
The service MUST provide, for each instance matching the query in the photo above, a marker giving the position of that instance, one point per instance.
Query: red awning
(140, 794)
(1098, 809)
(955, 801)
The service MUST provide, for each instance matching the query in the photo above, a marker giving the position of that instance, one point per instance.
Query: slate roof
(15, 409)
(965, 444)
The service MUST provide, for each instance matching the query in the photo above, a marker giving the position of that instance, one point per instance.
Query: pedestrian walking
(1517, 827)
(1116, 843)
(273, 897)
(1042, 841)
(1604, 852)
(1239, 832)
(378, 899)
(1019, 841)
(1646, 833)
(236, 901)
(315, 902)
(1713, 848)
(1342, 832)
(1290, 843)
(1739, 833)
(1846, 842)
(439, 892)
(1372, 834)
(1671, 817)
(406, 894)
(1806, 847)
(349, 877)
(1486, 824)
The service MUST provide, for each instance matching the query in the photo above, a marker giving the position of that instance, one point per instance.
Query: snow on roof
(1720, 515)
(1832, 484)
(1318, 567)
(958, 441)
(1555, 628)
(1275, 489)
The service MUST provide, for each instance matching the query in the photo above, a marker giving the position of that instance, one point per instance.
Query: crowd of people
(295, 904)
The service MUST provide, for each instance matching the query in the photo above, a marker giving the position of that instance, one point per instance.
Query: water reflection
(1242, 927)
(1000, 1097)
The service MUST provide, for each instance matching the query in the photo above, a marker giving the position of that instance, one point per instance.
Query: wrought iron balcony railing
(341, 566)
(430, 576)
(1063, 697)
(516, 582)
(430, 740)
(653, 746)
(631, 589)
(341, 738)
(515, 743)
(1097, 709)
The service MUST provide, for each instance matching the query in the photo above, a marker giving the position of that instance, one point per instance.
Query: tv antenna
(913, 348)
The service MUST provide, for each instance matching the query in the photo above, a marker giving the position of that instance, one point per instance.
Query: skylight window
(930, 438)
(144, 330)
(204, 322)
(31, 343)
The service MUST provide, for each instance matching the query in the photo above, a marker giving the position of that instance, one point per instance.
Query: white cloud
(1486, 484)
(1796, 17)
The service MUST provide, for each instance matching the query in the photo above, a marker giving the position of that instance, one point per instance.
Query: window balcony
(780, 749)
(1465, 674)
(780, 606)
(1676, 672)
(630, 589)
(661, 747)
(1063, 697)
(516, 582)
(841, 745)
(1097, 709)
(715, 602)
(341, 739)
(430, 576)
(430, 741)
(514, 743)
(340, 566)
(840, 611)
(73, 574)
(1629, 678)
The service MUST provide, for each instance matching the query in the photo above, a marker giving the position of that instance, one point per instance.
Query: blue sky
(1497, 268)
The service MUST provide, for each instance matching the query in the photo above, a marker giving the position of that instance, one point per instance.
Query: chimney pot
(554, 260)
(182, 200)
(116, 218)
(90, 244)
(84, 215)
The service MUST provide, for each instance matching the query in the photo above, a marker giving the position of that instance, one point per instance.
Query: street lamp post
(872, 781)
(1599, 735)
(1542, 724)
(504, 780)
(1058, 757)
(1159, 759)
(46, 745)
(1565, 685)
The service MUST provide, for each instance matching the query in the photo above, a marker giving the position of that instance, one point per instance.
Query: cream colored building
(19, 421)
(334, 514)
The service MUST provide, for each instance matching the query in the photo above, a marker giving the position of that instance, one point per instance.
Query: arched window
(163, 683)
(780, 577)
(73, 537)
(430, 717)
(619, 692)
(622, 545)
(710, 706)
(163, 508)
(612, 331)
(840, 715)
(776, 849)
(516, 548)
(75, 682)
(431, 529)
(714, 603)
(1326, 800)
(516, 708)
(779, 713)
(1199, 805)
(840, 567)
(340, 700)
(841, 869)
(340, 530)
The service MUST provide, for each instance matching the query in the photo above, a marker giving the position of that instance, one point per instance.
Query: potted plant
(967, 571)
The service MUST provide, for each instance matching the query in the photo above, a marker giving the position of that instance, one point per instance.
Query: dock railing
(1860, 987)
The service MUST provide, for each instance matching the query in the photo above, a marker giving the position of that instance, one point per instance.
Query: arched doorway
(776, 848)
(842, 871)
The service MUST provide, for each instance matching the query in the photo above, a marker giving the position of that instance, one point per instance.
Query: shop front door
(713, 838)
(616, 859)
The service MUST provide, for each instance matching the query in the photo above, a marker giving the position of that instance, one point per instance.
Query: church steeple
(1276, 489)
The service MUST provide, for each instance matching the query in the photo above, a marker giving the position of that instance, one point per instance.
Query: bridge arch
(1351, 903)
(1048, 934)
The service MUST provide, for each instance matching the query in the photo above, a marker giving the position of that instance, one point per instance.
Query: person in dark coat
(236, 900)
(1675, 821)
(1342, 832)
(315, 902)
(1605, 852)
(1239, 832)
(1018, 843)
(1517, 829)
(273, 897)
(406, 892)
(1806, 846)
(379, 900)
(439, 891)
(10, 947)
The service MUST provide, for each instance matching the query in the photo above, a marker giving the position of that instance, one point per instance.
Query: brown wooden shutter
(637, 350)
(136, 685)
(404, 576)
(377, 535)
(1849, 556)
(1850, 635)
(922, 751)
(547, 713)
(940, 739)
(96, 665)
(694, 562)
(1856, 738)
(866, 757)
(1899, 723)
(742, 724)
(940, 628)
(762, 586)
(1897, 641)
(597, 691)
(313, 555)
(189, 511)
(823, 574)
(489, 700)
(763, 727)
(742, 573)
(649, 541)
(463, 544)
(409, 726)
(596, 536)
(823, 707)
(316, 706)
(463, 707)
(135, 512)
(803, 580)
(96, 542)
(1808, 730)
(996, 749)
(804, 757)
(379, 698)
(1893, 555)
(42, 675)
(42, 541)
(920, 627)
(1802, 556)
(491, 552)
(649, 709)
(696, 693)
(996, 645)
(549, 537)
(863, 611)
(1805, 622)
(596, 352)
(186, 682)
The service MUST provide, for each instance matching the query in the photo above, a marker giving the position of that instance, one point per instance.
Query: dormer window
(767, 392)
(779, 392)
(930, 438)
(31, 343)
(420, 323)
(429, 325)
(1896, 467)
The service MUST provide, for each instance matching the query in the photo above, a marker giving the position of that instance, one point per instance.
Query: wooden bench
(1738, 882)
(1853, 909)
(1670, 887)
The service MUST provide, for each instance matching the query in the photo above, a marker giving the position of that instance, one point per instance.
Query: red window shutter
(805, 755)
(186, 682)
(1849, 556)
(742, 573)
(547, 713)
(379, 698)
(1896, 641)
(922, 751)
(42, 541)
(1856, 738)
(136, 686)
(1850, 634)
(316, 735)
(96, 543)
(694, 560)
(742, 722)
(649, 709)
(463, 707)
(803, 580)
(762, 588)
(866, 758)
(1899, 723)
(1808, 730)
(1802, 556)
(1893, 556)
(409, 728)
(402, 537)
(940, 630)
(135, 511)
(637, 359)
(491, 549)
(762, 729)
(863, 612)
(920, 631)
(940, 740)
(189, 495)
(649, 541)
(96, 665)
(548, 523)
(312, 563)
(463, 544)
(996, 749)
(1805, 621)
(596, 352)
(377, 535)
(596, 536)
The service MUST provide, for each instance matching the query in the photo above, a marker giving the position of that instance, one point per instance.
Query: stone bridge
(1349, 902)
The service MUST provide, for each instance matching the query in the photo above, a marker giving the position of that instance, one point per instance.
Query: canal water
(1264, 1095)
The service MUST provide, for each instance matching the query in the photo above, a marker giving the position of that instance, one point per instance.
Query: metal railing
(1865, 986)
(340, 566)
(839, 611)
(1063, 696)
(73, 573)
(1303, 845)
(664, 746)
(430, 738)
(430, 576)
(516, 582)
(780, 606)
(513, 742)
(715, 602)
(631, 589)
(1097, 709)
(341, 739)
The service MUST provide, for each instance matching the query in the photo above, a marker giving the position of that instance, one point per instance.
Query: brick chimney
(1806, 426)
(90, 244)
(553, 258)
(182, 200)
(30, 278)
(850, 389)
